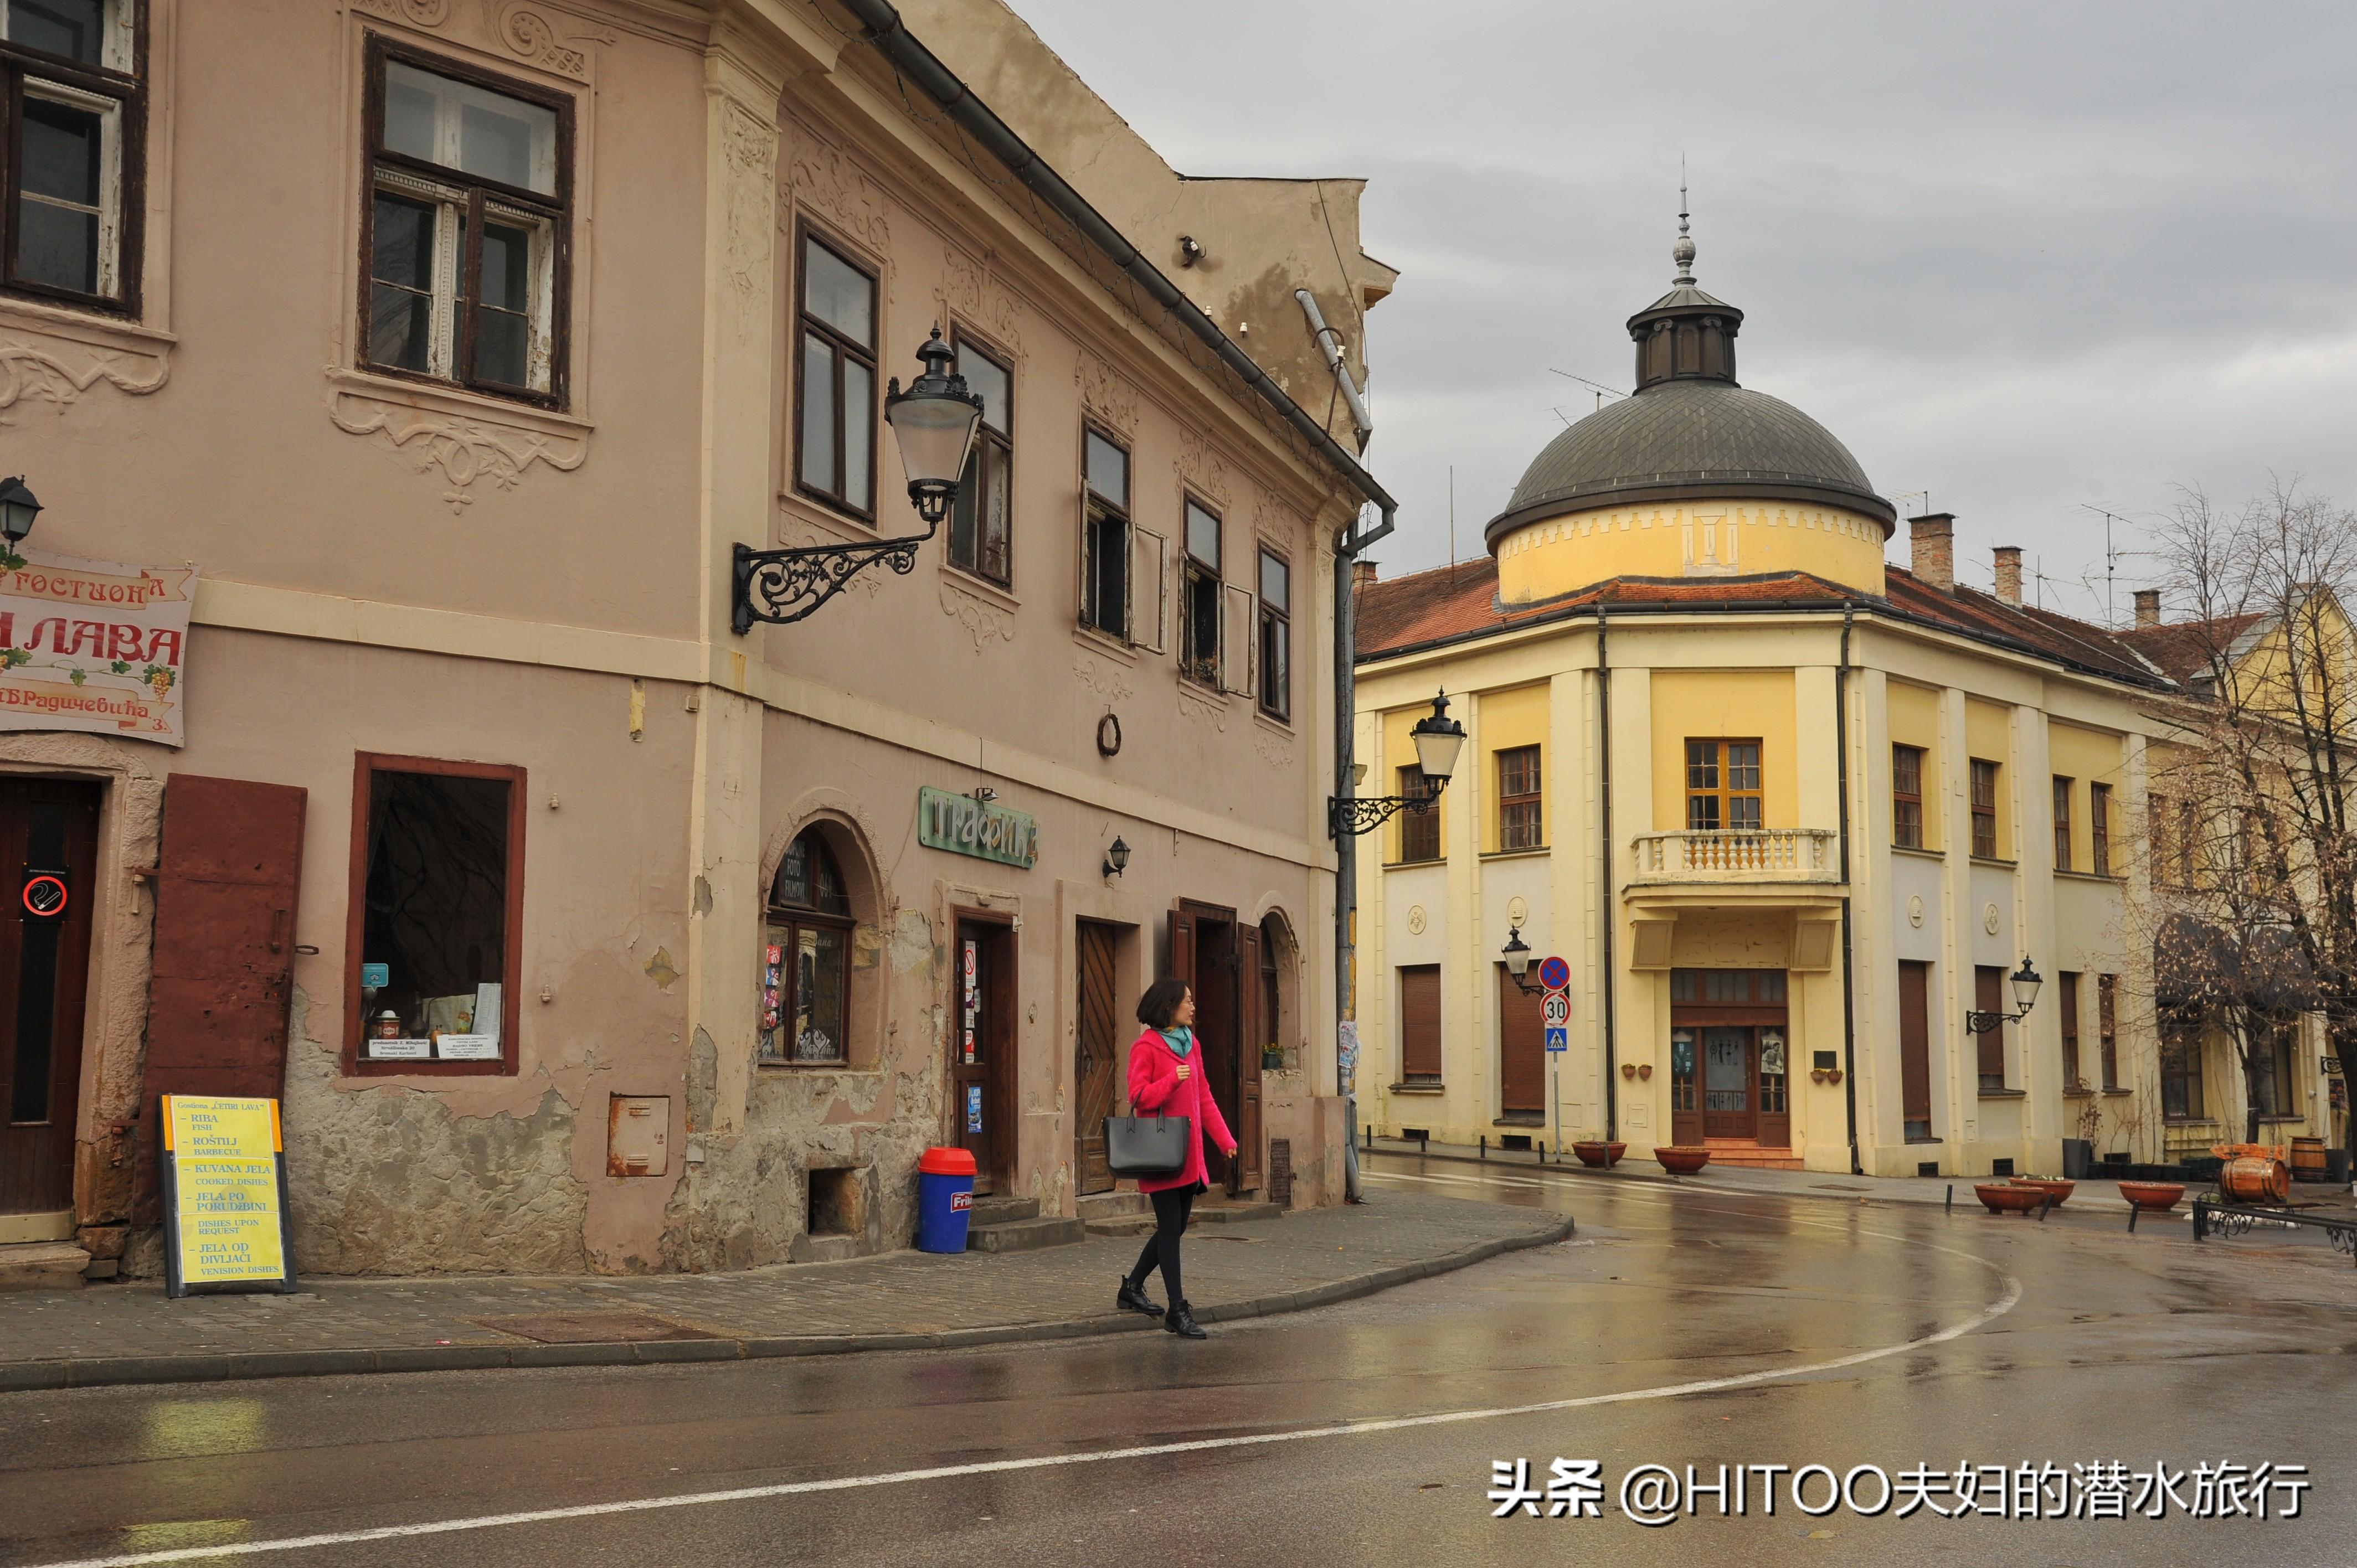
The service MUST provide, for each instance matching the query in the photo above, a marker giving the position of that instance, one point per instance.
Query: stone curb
(103, 1371)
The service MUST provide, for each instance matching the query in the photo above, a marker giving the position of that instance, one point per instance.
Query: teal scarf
(1181, 1041)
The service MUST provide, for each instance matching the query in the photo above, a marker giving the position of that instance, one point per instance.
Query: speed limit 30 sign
(1556, 1011)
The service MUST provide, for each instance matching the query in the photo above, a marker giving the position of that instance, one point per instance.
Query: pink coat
(1154, 1090)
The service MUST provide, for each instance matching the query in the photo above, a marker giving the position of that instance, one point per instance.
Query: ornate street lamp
(934, 423)
(17, 510)
(1438, 738)
(2025, 981)
(1517, 955)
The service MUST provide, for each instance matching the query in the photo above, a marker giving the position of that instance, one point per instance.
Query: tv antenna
(2111, 556)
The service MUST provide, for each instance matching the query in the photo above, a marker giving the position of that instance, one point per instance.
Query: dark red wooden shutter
(1420, 1023)
(225, 890)
(1989, 993)
(1915, 1046)
(1522, 1048)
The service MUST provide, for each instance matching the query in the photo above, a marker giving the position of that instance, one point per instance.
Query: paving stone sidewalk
(129, 1332)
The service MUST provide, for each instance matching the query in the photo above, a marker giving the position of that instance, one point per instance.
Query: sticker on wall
(1416, 920)
(375, 976)
(973, 1108)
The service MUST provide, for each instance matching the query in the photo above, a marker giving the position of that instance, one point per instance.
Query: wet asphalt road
(2068, 1343)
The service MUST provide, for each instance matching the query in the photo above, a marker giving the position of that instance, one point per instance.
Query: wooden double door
(1220, 959)
(1730, 1057)
(48, 848)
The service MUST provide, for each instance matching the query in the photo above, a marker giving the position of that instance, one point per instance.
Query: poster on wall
(224, 1172)
(88, 645)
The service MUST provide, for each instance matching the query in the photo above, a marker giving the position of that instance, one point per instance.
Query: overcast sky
(2019, 256)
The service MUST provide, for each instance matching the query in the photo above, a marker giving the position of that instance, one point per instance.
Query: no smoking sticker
(45, 897)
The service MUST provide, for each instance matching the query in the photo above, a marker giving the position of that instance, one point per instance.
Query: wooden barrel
(2254, 1178)
(2308, 1159)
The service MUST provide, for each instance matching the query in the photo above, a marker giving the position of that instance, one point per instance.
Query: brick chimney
(1362, 573)
(2009, 574)
(2147, 603)
(1931, 544)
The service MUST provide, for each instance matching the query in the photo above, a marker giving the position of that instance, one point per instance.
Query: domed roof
(1691, 439)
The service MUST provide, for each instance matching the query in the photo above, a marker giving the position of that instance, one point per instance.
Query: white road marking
(2005, 1304)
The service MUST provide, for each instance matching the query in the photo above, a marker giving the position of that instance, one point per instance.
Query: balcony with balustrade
(1725, 857)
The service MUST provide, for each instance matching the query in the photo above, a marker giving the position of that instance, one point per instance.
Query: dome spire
(1682, 252)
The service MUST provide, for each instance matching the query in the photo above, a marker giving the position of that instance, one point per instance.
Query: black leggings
(1170, 1211)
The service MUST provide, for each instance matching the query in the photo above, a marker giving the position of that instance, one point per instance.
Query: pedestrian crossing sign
(1558, 1039)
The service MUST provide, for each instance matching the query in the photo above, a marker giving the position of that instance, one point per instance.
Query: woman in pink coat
(1165, 1080)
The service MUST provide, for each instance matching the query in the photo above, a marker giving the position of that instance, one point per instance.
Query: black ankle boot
(1132, 1298)
(1180, 1320)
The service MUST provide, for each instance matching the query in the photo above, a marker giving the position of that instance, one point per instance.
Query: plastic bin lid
(947, 1162)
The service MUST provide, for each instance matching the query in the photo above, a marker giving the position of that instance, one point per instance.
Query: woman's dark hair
(1160, 1001)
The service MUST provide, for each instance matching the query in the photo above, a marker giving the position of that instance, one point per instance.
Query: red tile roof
(1460, 603)
(2185, 649)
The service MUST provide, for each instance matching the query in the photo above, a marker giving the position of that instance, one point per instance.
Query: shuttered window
(1420, 1023)
(1988, 995)
(2070, 1001)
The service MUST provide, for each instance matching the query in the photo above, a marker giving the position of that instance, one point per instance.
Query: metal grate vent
(1280, 1172)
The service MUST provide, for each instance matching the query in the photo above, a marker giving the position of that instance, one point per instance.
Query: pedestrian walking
(1165, 1080)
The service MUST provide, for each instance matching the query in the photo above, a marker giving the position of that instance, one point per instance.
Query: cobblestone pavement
(130, 1332)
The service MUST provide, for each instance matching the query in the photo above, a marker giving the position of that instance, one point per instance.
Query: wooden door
(49, 836)
(1254, 1033)
(981, 1048)
(1521, 1048)
(224, 968)
(1096, 1053)
(1915, 1051)
(1729, 1096)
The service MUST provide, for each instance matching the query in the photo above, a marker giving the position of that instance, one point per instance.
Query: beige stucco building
(578, 930)
(1787, 814)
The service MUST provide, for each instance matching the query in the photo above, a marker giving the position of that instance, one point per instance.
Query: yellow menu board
(224, 1194)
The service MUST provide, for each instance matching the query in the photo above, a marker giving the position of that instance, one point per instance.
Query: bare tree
(2255, 916)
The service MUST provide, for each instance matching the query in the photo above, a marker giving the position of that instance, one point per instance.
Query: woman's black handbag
(1148, 1145)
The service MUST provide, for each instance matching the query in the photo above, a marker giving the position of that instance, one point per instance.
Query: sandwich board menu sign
(225, 1194)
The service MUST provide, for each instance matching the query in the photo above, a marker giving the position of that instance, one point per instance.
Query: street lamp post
(1438, 738)
(934, 422)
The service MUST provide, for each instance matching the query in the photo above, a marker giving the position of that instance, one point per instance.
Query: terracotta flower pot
(1681, 1160)
(1597, 1152)
(2153, 1196)
(2060, 1189)
(2004, 1198)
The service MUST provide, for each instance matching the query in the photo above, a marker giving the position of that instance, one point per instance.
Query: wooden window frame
(807, 234)
(1985, 844)
(2189, 1048)
(1273, 687)
(1906, 805)
(2064, 788)
(365, 766)
(2108, 1029)
(2067, 995)
(1097, 509)
(2099, 829)
(1412, 783)
(1534, 799)
(986, 440)
(128, 92)
(794, 916)
(478, 193)
(1192, 570)
(1721, 792)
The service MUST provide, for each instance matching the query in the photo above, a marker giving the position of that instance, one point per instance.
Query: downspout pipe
(1604, 881)
(1849, 986)
(896, 44)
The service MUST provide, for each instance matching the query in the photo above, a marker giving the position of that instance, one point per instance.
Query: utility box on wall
(638, 1135)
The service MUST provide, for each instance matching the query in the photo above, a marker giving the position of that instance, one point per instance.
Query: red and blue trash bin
(944, 1199)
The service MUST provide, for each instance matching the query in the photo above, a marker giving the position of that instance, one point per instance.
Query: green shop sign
(964, 825)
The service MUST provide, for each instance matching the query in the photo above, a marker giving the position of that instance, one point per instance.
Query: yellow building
(1789, 813)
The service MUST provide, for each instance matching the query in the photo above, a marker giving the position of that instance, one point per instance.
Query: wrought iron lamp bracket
(782, 586)
(1364, 813)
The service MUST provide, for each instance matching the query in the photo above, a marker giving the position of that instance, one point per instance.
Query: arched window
(806, 963)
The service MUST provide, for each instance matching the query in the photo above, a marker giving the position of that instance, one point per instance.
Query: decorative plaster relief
(1104, 680)
(458, 448)
(416, 13)
(1416, 920)
(57, 371)
(1202, 469)
(983, 621)
(1200, 708)
(1107, 393)
(823, 178)
(969, 291)
(752, 153)
(1273, 749)
(532, 38)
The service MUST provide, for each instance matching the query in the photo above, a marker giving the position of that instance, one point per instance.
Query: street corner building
(481, 676)
(1793, 818)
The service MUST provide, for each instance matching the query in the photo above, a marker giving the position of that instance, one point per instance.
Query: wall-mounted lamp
(17, 510)
(1438, 738)
(984, 793)
(1116, 858)
(1517, 955)
(2025, 981)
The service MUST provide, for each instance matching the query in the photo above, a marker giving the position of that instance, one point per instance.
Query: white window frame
(108, 211)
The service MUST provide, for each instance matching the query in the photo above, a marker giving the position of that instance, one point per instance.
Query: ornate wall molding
(529, 35)
(985, 622)
(824, 178)
(57, 373)
(416, 13)
(1107, 393)
(751, 149)
(972, 293)
(1104, 680)
(457, 448)
(1277, 750)
(1203, 709)
(1202, 469)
